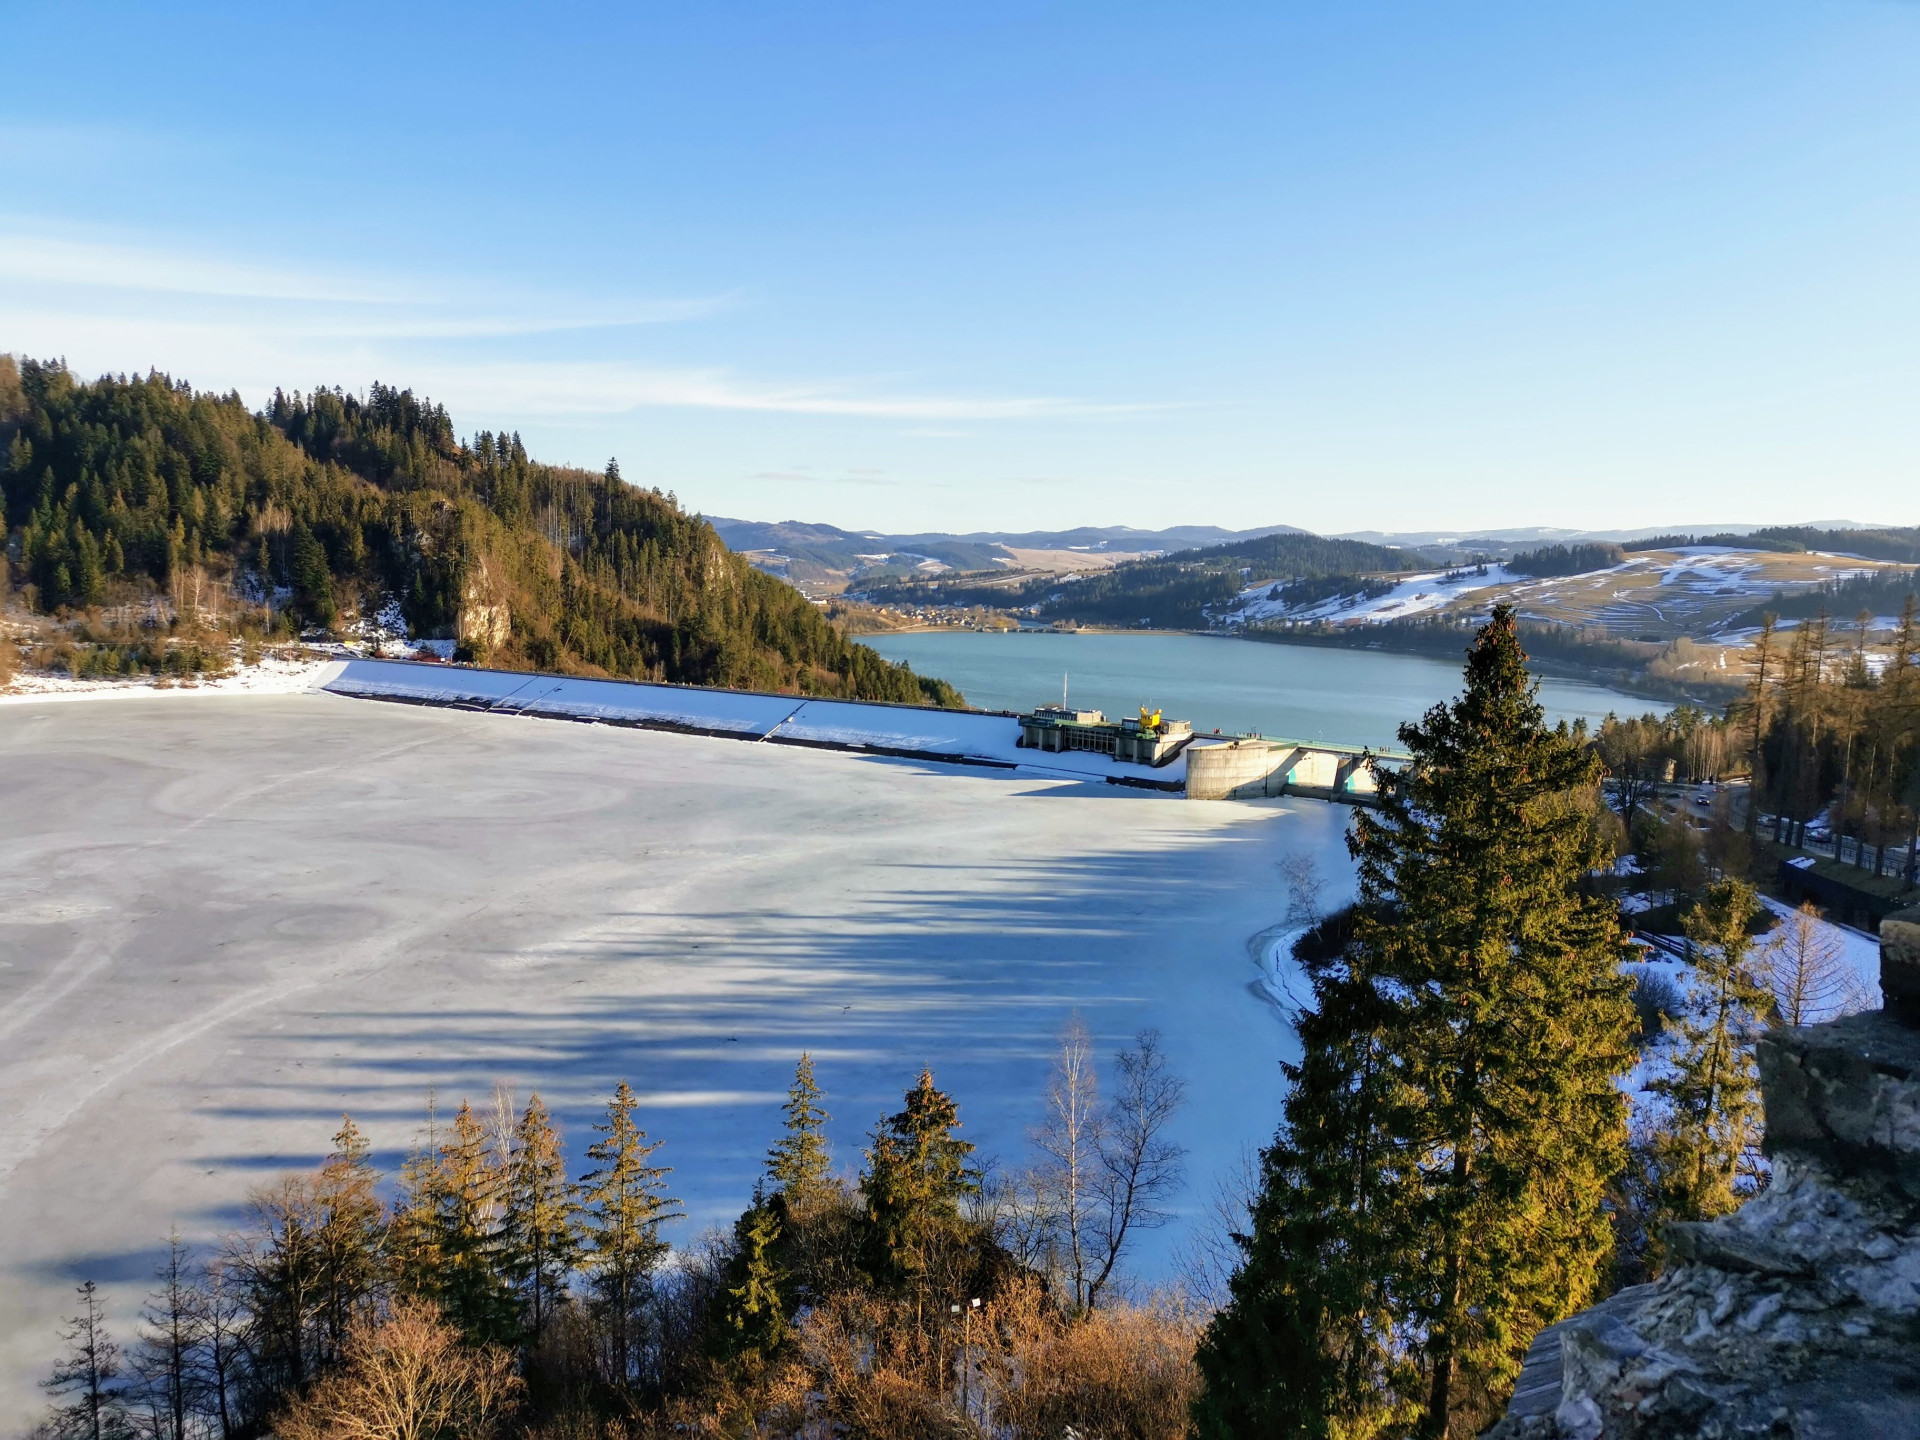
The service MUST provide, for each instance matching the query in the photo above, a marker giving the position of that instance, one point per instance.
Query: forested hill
(1175, 591)
(121, 487)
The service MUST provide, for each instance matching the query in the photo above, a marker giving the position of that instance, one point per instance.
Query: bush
(407, 1377)
(1656, 1000)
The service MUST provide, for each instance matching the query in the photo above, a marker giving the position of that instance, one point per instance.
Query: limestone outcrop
(1799, 1314)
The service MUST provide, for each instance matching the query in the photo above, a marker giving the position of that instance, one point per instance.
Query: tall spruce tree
(626, 1202)
(1713, 1087)
(917, 1175)
(446, 1240)
(349, 1240)
(540, 1231)
(1473, 1105)
(797, 1164)
(1309, 1343)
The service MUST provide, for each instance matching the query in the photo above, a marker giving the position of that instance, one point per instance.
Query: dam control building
(1146, 740)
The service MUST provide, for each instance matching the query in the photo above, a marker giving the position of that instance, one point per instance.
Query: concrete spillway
(1249, 767)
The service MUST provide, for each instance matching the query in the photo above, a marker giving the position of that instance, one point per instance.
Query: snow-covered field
(223, 924)
(1414, 595)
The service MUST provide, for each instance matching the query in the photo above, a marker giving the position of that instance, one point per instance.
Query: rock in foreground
(1796, 1316)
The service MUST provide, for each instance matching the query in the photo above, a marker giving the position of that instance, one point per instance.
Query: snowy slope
(1411, 596)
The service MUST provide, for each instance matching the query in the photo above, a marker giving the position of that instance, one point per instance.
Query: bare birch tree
(1140, 1167)
(1068, 1140)
(1104, 1171)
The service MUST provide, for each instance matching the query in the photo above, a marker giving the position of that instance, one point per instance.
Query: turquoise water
(1300, 692)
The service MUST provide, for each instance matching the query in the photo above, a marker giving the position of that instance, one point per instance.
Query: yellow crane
(1149, 720)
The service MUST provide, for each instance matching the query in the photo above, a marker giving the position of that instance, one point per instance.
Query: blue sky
(1346, 266)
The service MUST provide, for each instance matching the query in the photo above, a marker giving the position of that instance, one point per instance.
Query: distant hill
(127, 489)
(1456, 545)
(1175, 591)
(827, 558)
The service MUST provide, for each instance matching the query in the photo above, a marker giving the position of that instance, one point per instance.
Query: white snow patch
(1412, 596)
(274, 675)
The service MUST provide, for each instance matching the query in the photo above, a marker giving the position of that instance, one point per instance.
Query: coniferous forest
(141, 489)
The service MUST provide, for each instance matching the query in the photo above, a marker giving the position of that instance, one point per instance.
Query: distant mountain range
(1458, 544)
(825, 557)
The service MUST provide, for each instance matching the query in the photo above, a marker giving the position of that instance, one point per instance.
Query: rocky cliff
(1798, 1316)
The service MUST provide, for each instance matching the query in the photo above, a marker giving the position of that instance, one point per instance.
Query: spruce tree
(445, 1237)
(917, 1175)
(1509, 1029)
(753, 1302)
(414, 1233)
(88, 1379)
(539, 1216)
(1470, 1106)
(472, 1287)
(797, 1165)
(1713, 1088)
(351, 1232)
(625, 1202)
(1307, 1343)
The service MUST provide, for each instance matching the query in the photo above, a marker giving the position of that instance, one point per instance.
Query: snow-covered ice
(221, 925)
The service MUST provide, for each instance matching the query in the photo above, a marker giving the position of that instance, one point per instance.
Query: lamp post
(966, 1350)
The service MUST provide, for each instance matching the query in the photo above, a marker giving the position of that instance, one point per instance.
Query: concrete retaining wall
(1250, 769)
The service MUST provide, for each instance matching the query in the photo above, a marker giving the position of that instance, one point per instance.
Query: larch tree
(277, 1259)
(1805, 969)
(221, 1357)
(625, 1203)
(89, 1402)
(171, 1332)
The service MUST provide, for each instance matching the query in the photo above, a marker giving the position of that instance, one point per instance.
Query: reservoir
(1300, 692)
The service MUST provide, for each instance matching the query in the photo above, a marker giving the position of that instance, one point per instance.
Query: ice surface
(223, 924)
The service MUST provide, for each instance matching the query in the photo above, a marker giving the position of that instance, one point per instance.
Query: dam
(1148, 754)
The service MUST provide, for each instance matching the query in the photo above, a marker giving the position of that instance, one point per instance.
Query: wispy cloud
(67, 271)
(113, 302)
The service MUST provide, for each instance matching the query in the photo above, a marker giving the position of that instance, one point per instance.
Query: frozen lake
(225, 919)
(1301, 692)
